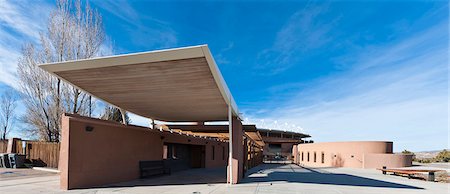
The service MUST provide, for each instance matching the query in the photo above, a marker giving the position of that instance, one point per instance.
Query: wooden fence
(40, 153)
(3, 146)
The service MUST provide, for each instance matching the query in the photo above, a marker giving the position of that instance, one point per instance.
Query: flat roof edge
(148, 57)
(126, 59)
(220, 81)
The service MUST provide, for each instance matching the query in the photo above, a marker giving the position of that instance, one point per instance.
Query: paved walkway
(267, 178)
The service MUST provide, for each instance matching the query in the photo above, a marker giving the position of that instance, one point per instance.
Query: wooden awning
(218, 131)
(182, 84)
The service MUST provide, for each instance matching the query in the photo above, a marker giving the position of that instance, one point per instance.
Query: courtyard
(265, 178)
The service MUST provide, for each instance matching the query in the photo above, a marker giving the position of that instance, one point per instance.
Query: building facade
(278, 144)
(354, 154)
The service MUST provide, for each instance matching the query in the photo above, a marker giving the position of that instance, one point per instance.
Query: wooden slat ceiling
(182, 89)
(218, 131)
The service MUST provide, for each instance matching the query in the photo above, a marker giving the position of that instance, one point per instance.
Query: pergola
(174, 85)
(220, 132)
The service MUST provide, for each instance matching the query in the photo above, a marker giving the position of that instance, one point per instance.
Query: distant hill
(426, 154)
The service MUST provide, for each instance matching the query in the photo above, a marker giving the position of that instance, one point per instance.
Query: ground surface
(443, 166)
(267, 178)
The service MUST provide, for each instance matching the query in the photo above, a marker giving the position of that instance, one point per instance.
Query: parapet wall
(354, 154)
(388, 160)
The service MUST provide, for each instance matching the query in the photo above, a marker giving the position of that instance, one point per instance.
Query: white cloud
(396, 91)
(22, 18)
(303, 31)
(143, 30)
(19, 23)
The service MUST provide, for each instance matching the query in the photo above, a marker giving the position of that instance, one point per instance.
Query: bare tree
(7, 113)
(114, 114)
(73, 32)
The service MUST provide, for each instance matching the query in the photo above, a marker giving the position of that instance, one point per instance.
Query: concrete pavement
(266, 178)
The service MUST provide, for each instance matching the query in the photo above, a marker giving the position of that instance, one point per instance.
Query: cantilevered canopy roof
(182, 84)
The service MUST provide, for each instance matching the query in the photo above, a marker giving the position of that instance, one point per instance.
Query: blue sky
(339, 70)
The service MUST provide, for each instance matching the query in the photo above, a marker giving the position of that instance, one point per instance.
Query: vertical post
(230, 143)
(24, 148)
(431, 176)
(124, 120)
(153, 124)
(90, 106)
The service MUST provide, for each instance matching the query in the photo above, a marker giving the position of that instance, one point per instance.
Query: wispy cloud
(158, 34)
(302, 32)
(24, 19)
(396, 91)
(220, 58)
(19, 23)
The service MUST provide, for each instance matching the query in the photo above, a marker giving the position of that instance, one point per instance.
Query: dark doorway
(275, 148)
(183, 156)
(197, 156)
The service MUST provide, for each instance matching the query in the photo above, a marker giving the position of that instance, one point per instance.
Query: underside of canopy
(182, 84)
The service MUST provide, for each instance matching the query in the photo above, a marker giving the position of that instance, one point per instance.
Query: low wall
(388, 160)
(96, 152)
(340, 154)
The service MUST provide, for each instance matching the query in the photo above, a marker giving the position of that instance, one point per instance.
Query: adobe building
(353, 154)
(174, 85)
(252, 141)
(261, 144)
(279, 144)
(179, 86)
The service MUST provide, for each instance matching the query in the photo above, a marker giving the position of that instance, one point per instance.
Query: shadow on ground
(185, 177)
(296, 174)
(263, 173)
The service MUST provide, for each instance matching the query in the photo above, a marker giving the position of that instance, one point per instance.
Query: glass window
(165, 152)
(174, 152)
(323, 157)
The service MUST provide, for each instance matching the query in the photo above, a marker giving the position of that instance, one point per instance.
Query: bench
(151, 168)
(411, 172)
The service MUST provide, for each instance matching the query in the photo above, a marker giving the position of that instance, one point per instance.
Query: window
(315, 157)
(213, 152)
(323, 157)
(223, 152)
(302, 157)
(169, 151)
(165, 152)
(307, 157)
(174, 152)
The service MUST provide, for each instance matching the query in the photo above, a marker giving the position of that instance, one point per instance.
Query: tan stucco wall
(112, 151)
(238, 152)
(388, 160)
(350, 154)
(295, 154)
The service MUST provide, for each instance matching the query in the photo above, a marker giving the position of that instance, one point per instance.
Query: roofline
(148, 57)
(281, 131)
